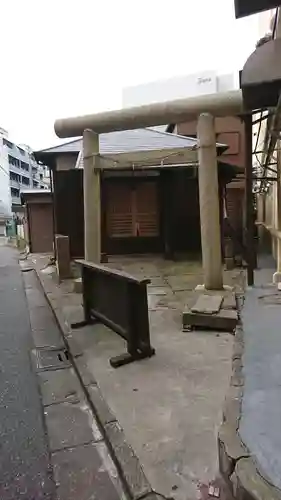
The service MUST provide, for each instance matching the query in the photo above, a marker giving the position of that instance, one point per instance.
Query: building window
(25, 181)
(14, 177)
(13, 161)
(35, 184)
(24, 166)
(41, 177)
(8, 143)
(15, 192)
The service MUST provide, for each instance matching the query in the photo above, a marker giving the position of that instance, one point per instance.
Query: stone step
(225, 320)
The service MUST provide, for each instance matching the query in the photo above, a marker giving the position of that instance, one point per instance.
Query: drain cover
(47, 359)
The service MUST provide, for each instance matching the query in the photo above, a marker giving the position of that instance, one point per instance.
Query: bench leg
(127, 357)
(85, 322)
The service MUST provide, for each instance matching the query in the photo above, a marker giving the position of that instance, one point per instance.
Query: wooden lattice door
(132, 210)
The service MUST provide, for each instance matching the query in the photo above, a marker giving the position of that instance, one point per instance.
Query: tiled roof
(126, 141)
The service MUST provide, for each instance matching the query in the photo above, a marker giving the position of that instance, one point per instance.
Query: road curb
(128, 465)
(237, 466)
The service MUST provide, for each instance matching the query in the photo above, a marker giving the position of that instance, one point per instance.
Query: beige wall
(268, 202)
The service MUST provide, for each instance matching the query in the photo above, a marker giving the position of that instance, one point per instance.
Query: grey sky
(67, 57)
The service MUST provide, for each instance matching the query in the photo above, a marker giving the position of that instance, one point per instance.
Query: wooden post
(249, 201)
(92, 210)
(209, 203)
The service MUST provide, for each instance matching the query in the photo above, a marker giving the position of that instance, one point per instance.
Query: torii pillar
(209, 203)
(92, 208)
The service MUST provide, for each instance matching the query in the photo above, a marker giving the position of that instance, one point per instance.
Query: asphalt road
(25, 471)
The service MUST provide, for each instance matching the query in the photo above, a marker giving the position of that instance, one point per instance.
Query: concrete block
(276, 277)
(237, 378)
(229, 263)
(136, 480)
(85, 374)
(238, 349)
(225, 320)
(101, 409)
(77, 285)
(232, 406)
(62, 256)
(230, 449)
(74, 347)
(248, 484)
(239, 334)
(229, 301)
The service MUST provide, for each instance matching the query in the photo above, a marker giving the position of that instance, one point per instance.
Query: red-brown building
(39, 228)
(229, 131)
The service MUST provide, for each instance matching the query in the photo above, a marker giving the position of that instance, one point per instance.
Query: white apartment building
(179, 87)
(18, 171)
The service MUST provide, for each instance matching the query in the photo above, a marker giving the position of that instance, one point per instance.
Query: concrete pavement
(260, 425)
(51, 446)
(170, 405)
(25, 471)
(249, 438)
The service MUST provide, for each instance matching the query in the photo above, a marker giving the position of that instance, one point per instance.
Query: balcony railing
(16, 200)
(14, 184)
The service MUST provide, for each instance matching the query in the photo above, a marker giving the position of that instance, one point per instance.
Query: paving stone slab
(80, 473)
(42, 318)
(207, 304)
(70, 425)
(60, 385)
(48, 338)
(35, 297)
(30, 279)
